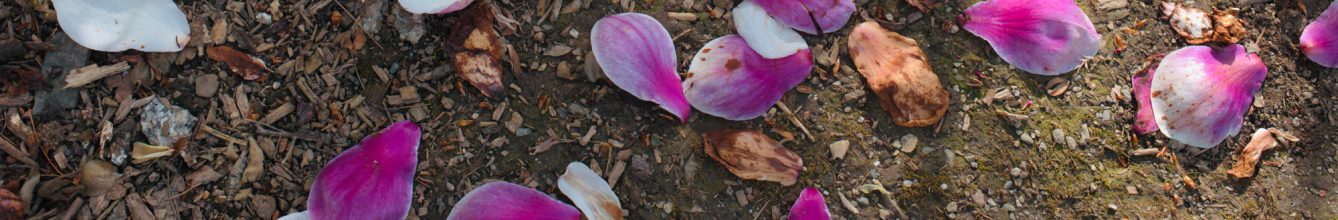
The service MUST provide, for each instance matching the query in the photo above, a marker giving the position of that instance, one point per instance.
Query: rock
(1009, 207)
(557, 50)
(898, 72)
(908, 143)
(1026, 138)
(163, 123)
(839, 149)
(952, 207)
(206, 86)
(1058, 135)
(409, 25)
(68, 55)
(263, 205)
(1111, 4)
(978, 198)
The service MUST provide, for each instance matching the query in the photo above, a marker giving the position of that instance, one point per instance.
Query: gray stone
(206, 86)
(69, 55)
(163, 124)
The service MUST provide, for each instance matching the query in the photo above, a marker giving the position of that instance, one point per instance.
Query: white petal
(764, 34)
(296, 216)
(434, 6)
(590, 193)
(117, 25)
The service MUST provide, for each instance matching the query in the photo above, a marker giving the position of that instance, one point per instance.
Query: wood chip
(83, 76)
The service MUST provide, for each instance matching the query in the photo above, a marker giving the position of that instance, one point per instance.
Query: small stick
(220, 135)
(795, 118)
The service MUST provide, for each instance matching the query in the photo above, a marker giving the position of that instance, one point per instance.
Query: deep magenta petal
(1047, 37)
(1319, 40)
(1200, 95)
(637, 54)
(373, 180)
(809, 206)
(1144, 123)
(507, 201)
(728, 79)
(800, 14)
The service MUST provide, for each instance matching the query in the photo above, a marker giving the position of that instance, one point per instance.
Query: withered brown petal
(250, 67)
(477, 50)
(1261, 141)
(752, 155)
(896, 70)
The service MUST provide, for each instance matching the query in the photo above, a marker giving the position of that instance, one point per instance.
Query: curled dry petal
(590, 193)
(764, 34)
(373, 180)
(144, 152)
(898, 73)
(503, 200)
(1199, 27)
(112, 26)
(752, 155)
(1046, 37)
(727, 79)
(637, 54)
(1261, 141)
(477, 50)
(1144, 123)
(1319, 41)
(809, 206)
(1200, 95)
(434, 6)
(830, 15)
(98, 176)
(250, 67)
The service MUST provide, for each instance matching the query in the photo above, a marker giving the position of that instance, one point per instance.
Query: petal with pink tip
(373, 180)
(434, 6)
(1200, 95)
(830, 15)
(1319, 40)
(1047, 37)
(637, 54)
(590, 193)
(503, 200)
(1144, 123)
(764, 34)
(809, 206)
(728, 79)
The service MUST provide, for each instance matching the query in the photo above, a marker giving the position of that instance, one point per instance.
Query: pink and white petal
(590, 193)
(637, 54)
(503, 200)
(1319, 40)
(119, 25)
(831, 15)
(810, 206)
(1144, 122)
(1200, 95)
(1047, 37)
(764, 34)
(373, 180)
(434, 6)
(728, 79)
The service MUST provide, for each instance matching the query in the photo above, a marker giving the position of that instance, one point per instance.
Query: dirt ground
(327, 89)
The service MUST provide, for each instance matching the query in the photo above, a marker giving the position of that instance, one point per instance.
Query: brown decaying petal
(477, 50)
(1249, 156)
(250, 67)
(752, 155)
(897, 71)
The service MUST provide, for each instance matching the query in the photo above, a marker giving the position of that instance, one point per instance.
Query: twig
(221, 135)
(795, 118)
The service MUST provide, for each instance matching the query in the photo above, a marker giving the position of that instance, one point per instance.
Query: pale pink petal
(637, 54)
(1319, 41)
(590, 193)
(119, 25)
(764, 34)
(1047, 37)
(434, 6)
(508, 201)
(373, 180)
(831, 15)
(727, 79)
(1200, 95)
(809, 206)
(1144, 123)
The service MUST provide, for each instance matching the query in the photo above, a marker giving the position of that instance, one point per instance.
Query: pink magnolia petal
(728, 79)
(1046, 37)
(809, 206)
(434, 6)
(637, 54)
(1144, 123)
(1200, 95)
(1319, 40)
(373, 180)
(831, 15)
(503, 201)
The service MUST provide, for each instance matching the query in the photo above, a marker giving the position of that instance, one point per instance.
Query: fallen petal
(831, 15)
(112, 26)
(590, 193)
(373, 180)
(1261, 141)
(1200, 95)
(750, 154)
(503, 200)
(1319, 40)
(637, 54)
(1199, 27)
(727, 79)
(144, 152)
(434, 6)
(1145, 123)
(1046, 37)
(98, 177)
(477, 50)
(250, 67)
(898, 73)
(764, 34)
(810, 206)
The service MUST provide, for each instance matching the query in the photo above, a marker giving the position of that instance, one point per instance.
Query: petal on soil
(434, 6)
(831, 15)
(752, 155)
(764, 34)
(1200, 95)
(250, 67)
(1261, 141)
(1319, 41)
(590, 193)
(1047, 37)
(637, 54)
(727, 79)
(809, 206)
(1144, 123)
(373, 180)
(503, 200)
(113, 26)
(896, 70)
(477, 50)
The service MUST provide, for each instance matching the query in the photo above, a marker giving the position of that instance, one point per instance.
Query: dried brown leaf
(250, 67)
(477, 50)
(752, 155)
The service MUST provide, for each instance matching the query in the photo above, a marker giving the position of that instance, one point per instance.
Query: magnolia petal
(727, 79)
(303, 215)
(831, 15)
(1249, 155)
(590, 193)
(1319, 40)
(503, 200)
(1046, 37)
(1200, 95)
(750, 154)
(810, 206)
(764, 34)
(1144, 123)
(477, 50)
(434, 6)
(119, 25)
(373, 180)
(896, 70)
(637, 54)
